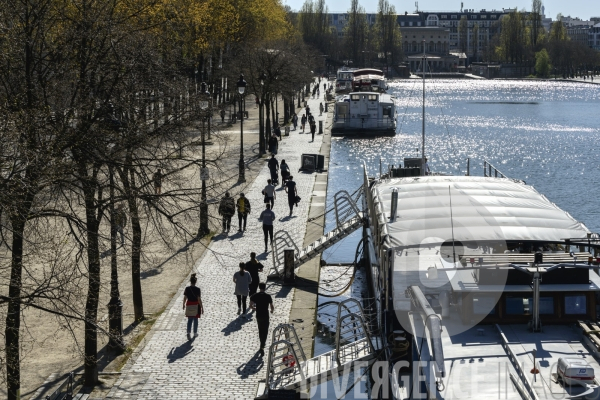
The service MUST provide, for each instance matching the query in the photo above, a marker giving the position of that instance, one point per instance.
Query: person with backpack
(243, 209)
(226, 210)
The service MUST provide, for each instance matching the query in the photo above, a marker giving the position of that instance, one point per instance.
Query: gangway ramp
(289, 369)
(348, 220)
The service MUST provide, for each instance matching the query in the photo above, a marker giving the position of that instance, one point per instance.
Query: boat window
(372, 97)
(575, 304)
(387, 110)
(518, 305)
(354, 97)
(484, 305)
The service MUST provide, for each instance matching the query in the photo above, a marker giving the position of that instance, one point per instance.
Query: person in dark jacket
(227, 209)
(273, 144)
(267, 217)
(243, 209)
(292, 192)
(285, 172)
(273, 165)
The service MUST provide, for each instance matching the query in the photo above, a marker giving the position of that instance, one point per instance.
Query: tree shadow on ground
(253, 366)
(236, 325)
(179, 352)
(158, 269)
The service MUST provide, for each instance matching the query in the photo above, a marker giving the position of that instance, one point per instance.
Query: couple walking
(227, 208)
(246, 282)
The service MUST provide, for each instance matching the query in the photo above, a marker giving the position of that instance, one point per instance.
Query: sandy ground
(53, 346)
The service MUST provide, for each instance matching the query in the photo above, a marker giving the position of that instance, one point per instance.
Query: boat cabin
(368, 112)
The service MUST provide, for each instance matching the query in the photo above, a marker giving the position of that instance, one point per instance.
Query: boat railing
(490, 171)
(366, 123)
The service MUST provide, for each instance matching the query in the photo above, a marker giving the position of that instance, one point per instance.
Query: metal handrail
(488, 168)
(361, 325)
(286, 328)
(515, 362)
(290, 349)
(344, 207)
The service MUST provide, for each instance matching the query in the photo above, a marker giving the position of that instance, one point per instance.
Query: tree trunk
(127, 175)
(13, 315)
(88, 187)
(136, 250)
(261, 128)
(268, 114)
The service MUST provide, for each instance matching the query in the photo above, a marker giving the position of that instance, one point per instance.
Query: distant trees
(542, 63)
(356, 32)
(388, 37)
(514, 40)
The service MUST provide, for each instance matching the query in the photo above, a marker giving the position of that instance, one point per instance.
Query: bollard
(320, 127)
(288, 267)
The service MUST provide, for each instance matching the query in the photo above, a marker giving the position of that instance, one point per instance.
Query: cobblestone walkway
(222, 362)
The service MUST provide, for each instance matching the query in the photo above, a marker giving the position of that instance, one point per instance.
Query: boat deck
(554, 342)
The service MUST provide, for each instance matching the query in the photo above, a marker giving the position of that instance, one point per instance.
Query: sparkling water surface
(545, 133)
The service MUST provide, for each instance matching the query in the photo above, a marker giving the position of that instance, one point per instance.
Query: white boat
(369, 80)
(368, 113)
(481, 284)
(344, 80)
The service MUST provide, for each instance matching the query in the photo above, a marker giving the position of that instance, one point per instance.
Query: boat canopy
(483, 210)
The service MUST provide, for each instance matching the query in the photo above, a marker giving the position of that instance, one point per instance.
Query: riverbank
(53, 349)
(225, 354)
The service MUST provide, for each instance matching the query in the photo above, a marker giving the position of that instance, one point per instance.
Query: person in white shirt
(269, 193)
(426, 167)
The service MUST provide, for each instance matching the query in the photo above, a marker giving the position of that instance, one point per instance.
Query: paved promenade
(223, 361)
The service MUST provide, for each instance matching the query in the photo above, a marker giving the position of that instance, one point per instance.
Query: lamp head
(241, 84)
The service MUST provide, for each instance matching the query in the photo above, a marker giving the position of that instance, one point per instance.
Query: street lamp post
(203, 229)
(241, 85)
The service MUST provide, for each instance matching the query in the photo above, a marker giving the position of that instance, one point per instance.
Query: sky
(583, 9)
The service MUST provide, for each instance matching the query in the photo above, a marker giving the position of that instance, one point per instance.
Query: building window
(453, 17)
(575, 304)
(444, 17)
(483, 16)
(410, 23)
(492, 17)
(419, 23)
(402, 23)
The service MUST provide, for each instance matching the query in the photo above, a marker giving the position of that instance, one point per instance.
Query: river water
(545, 133)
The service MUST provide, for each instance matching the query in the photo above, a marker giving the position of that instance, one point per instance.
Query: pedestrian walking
(226, 210)
(243, 209)
(157, 179)
(254, 267)
(313, 129)
(120, 221)
(261, 302)
(192, 304)
(295, 121)
(292, 192)
(269, 193)
(242, 280)
(273, 165)
(256, 101)
(285, 172)
(273, 144)
(277, 132)
(321, 108)
(222, 116)
(267, 217)
(303, 122)
(324, 86)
